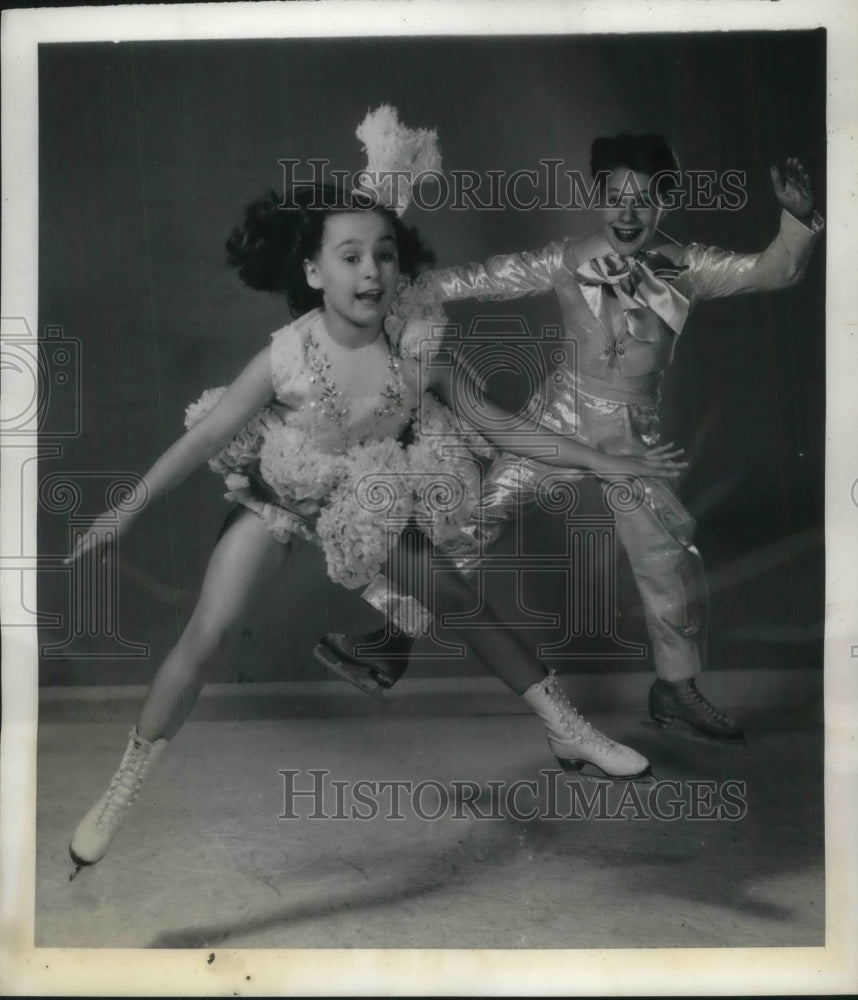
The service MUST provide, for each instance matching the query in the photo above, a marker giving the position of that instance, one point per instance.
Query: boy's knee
(681, 623)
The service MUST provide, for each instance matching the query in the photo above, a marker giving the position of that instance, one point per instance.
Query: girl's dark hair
(645, 154)
(279, 234)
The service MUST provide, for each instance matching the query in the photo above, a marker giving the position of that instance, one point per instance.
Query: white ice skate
(96, 830)
(576, 744)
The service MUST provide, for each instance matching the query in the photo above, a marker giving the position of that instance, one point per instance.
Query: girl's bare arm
(251, 391)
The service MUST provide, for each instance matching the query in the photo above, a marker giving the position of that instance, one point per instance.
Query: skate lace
(573, 722)
(710, 709)
(121, 793)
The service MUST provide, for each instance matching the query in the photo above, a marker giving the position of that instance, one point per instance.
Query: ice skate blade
(359, 677)
(685, 731)
(78, 863)
(586, 770)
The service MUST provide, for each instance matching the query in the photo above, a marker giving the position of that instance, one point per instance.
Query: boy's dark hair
(279, 234)
(645, 154)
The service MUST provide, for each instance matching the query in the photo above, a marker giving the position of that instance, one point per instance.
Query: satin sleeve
(713, 273)
(508, 276)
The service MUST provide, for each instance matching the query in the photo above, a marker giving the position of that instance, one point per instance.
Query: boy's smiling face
(630, 218)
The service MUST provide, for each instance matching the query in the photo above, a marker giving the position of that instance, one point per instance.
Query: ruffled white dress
(351, 450)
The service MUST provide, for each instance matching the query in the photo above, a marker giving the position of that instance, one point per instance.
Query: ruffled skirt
(353, 504)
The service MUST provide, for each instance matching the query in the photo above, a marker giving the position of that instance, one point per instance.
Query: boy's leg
(657, 536)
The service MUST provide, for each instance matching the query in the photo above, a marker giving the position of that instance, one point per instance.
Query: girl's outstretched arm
(530, 439)
(251, 391)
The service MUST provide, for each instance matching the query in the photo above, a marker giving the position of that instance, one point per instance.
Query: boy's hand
(793, 190)
(663, 462)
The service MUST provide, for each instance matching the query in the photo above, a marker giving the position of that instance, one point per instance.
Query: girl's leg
(245, 553)
(416, 569)
(434, 580)
(374, 661)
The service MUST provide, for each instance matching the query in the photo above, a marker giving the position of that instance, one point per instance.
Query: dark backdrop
(148, 152)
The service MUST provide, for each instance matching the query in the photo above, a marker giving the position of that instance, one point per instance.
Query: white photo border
(828, 970)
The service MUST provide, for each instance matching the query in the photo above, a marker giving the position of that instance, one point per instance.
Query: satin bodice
(337, 396)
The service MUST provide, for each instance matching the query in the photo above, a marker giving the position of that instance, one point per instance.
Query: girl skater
(299, 436)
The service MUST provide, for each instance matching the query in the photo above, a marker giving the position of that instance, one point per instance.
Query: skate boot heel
(578, 747)
(587, 770)
(660, 720)
(675, 727)
(570, 765)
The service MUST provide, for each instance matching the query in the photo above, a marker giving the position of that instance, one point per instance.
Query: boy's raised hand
(793, 189)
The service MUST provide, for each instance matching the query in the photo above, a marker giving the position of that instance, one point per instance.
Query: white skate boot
(576, 744)
(96, 830)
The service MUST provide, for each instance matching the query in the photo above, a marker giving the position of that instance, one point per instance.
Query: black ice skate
(375, 676)
(679, 709)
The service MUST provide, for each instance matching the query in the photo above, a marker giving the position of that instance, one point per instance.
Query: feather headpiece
(396, 157)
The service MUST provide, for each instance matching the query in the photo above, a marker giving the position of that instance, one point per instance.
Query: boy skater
(625, 296)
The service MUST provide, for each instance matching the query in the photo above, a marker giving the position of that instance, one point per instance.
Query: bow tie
(639, 282)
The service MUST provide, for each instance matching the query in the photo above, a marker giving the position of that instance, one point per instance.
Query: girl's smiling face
(630, 218)
(356, 269)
